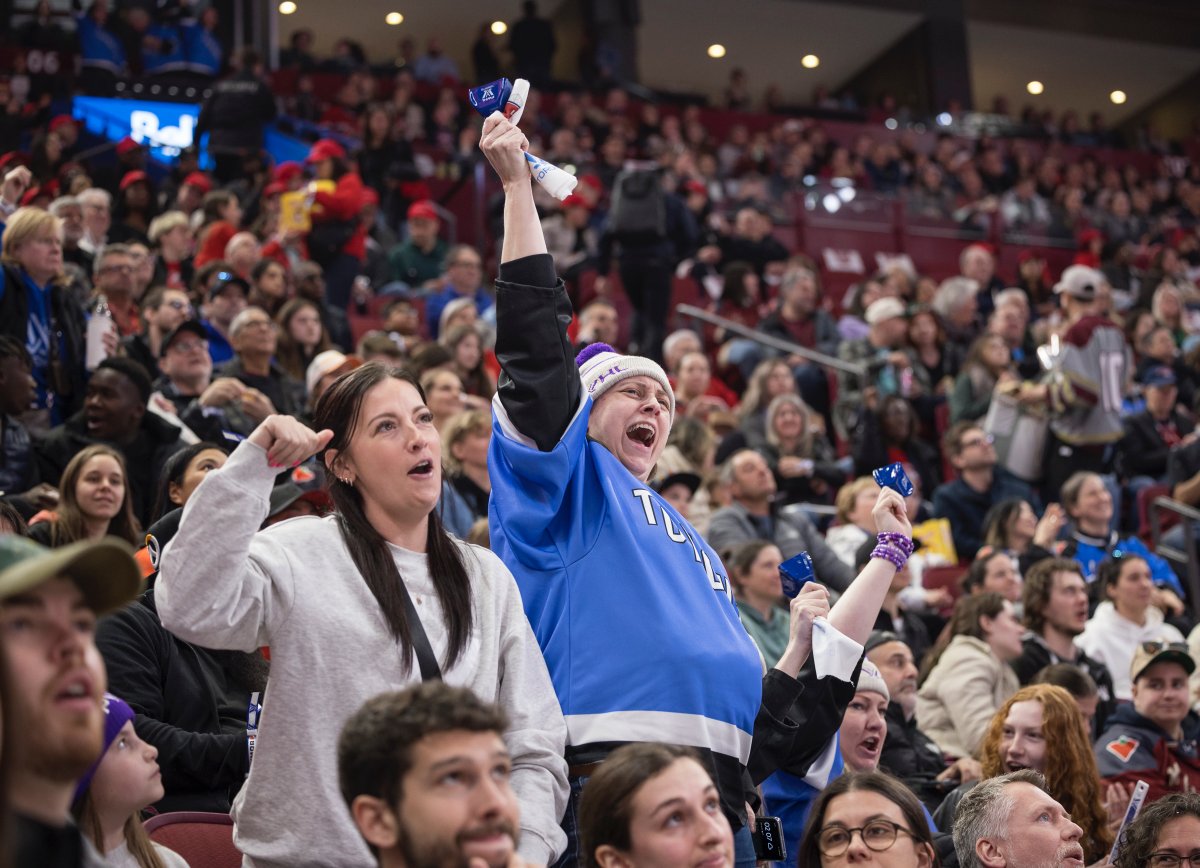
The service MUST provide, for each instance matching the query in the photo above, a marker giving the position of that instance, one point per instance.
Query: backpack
(639, 208)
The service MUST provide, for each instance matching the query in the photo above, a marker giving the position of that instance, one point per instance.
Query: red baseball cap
(693, 186)
(59, 121)
(13, 158)
(126, 145)
(200, 180)
(132, 178)
(369, 196)
(285, 172)
(325, 149)
(422, 210)
(32, 195)
(275, 188)
(576, 201)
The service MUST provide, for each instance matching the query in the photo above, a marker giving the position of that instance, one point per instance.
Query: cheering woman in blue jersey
(631, 607)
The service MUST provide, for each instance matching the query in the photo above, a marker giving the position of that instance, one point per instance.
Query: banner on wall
(166, 128)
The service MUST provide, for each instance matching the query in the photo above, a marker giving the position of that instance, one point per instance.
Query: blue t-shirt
(437, 302)
(629, 603)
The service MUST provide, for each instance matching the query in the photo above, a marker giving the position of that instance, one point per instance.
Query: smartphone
(1136, 801)
(794, 572)
(769, 845)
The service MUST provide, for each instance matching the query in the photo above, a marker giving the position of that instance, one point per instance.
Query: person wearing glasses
(207, 407)
(34, 305)
(980, 485)
(1154, 738)
(112, 280)
(463, 278)
(163, 310)
(1126, 617)
(867, 817)
(1165, 834)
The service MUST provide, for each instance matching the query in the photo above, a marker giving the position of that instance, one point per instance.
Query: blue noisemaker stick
(794, 572)
(490, 97)
(508, 98)
(894, 477)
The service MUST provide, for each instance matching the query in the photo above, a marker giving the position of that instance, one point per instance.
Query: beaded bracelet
(899, 540)
(893, 555)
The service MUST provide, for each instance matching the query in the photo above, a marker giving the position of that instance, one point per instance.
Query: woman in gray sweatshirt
(328, 597)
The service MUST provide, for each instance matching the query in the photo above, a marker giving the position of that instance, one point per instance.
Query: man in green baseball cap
(55, 681)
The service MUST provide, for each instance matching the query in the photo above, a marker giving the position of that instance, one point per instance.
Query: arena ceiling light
(716, 50)
(394, 18)
(1118, 97)
(810, 61)
(287, 7)
(499, 28)
(1035, 87)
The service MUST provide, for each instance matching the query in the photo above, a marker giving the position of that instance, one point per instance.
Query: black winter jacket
(191, 704)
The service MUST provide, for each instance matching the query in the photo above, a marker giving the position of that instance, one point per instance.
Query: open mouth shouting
(870, 747)
(642, 433)
(422, 470)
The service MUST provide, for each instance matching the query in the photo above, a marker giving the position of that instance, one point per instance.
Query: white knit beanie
(871, 681)
(601, 367)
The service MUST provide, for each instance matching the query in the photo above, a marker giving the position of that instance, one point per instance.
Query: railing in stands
(769, 340)
(1185, 556)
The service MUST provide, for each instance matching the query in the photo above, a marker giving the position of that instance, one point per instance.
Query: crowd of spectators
(158, 322)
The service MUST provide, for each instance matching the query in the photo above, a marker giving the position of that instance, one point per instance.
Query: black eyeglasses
(1171, 860)
(877, 835)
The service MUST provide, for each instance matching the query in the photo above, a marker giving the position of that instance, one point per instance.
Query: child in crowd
(123, 780)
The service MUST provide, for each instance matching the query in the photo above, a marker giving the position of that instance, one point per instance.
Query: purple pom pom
(591, 351)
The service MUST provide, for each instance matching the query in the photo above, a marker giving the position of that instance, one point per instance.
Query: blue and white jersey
(204, 52)
(790, 797)
(169, 56)
(98, 47)
(630, 605)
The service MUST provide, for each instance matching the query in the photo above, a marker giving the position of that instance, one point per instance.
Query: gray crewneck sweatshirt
(294, 588)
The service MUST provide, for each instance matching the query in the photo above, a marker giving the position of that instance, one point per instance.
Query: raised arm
(504, 145)
(855, 611)
(214, 590)
(539, 389)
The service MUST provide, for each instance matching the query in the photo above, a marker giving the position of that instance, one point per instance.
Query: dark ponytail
(338, 409)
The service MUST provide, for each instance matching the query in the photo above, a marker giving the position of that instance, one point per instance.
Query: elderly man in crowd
(1011, 821)
(255, 336)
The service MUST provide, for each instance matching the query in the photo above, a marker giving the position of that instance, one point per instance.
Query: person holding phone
(632, 608)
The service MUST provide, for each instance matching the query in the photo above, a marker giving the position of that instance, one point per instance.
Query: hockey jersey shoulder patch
(1122, 748)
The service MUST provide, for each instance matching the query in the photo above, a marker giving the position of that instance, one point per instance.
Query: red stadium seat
(948, 577)
(203, 840)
